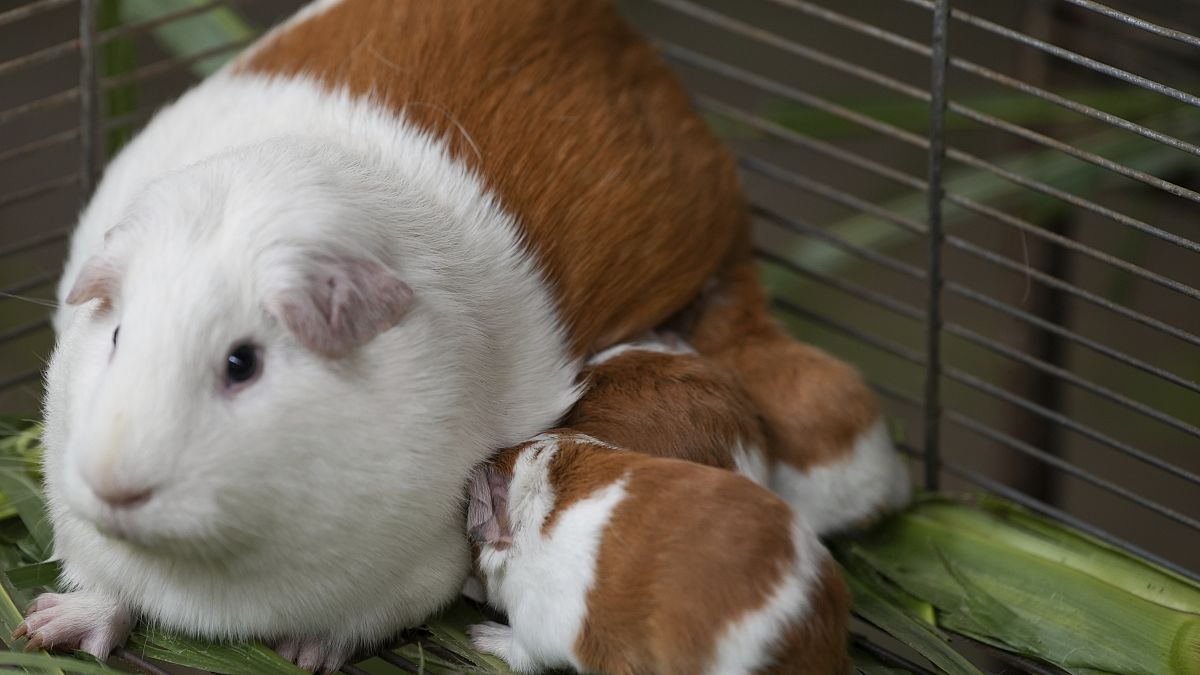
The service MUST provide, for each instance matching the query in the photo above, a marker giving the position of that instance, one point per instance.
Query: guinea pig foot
(315, 656)
(497, 639)
(77, 620)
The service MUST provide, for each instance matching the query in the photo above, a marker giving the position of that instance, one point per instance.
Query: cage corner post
(89, 101)
(939, 59)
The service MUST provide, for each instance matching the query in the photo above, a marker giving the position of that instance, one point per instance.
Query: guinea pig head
(225, 380)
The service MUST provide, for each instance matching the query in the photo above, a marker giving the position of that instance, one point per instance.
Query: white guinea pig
(322, 286)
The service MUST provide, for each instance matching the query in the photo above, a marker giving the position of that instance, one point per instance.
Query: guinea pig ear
(98, 278)
(341, 303)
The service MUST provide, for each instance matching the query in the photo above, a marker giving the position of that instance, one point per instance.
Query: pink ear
(97, 279)
(343, 303)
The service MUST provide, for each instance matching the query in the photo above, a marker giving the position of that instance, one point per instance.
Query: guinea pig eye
(243, 364)
(115, 332)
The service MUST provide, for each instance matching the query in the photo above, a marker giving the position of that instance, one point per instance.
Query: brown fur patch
(818, 646)
(628, 200)
(579, 469)
(689, 550)
(813, 405)
(667, 405)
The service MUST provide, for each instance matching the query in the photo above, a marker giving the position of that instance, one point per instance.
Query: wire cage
(992, 209)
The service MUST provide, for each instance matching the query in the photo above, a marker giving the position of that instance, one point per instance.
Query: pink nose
(125, 499)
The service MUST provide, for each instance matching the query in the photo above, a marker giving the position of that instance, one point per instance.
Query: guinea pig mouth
(162, 530)
(127, 527)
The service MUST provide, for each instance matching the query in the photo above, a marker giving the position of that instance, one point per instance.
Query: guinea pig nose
(125, 498)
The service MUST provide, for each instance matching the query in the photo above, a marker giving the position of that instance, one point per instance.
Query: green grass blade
(45, 663)
(25, 496)
(38, 575)
(243, 659)
(878, 604)
(866, 664)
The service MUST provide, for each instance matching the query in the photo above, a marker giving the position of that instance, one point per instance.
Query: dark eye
(242, 365)
(115, 331)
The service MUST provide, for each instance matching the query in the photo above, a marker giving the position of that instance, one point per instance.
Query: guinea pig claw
(76, 620)
(20, 632)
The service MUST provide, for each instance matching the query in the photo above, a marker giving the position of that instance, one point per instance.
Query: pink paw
(314, 656)
(75, 621)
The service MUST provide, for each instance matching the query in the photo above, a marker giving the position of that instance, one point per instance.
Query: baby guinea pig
(615, 562)
(657, 396)
(828, 452)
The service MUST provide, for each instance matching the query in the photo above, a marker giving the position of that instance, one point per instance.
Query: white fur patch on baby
(747, 644)
(542, 581)
(871, 478)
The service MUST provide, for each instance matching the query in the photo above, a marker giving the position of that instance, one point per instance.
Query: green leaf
(866, 664)
(37, 575)
(876, 603)
(10, 616)
(242, 659)
(449, 630)
(25, 496)
(990, 580)
(44, 663)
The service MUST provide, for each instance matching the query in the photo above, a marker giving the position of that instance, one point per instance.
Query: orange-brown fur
(667, 405)
(813, 406)
(688, 551)
(625, 196)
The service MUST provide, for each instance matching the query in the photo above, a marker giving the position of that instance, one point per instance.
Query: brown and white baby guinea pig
(615, 562)
(657, 396)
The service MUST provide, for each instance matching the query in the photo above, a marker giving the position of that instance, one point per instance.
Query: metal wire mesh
(990, 208)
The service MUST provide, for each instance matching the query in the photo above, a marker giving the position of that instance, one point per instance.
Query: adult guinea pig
(609, 561)
(327, 282)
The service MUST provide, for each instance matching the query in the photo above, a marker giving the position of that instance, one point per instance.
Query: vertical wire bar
(933, 325)
(89, 100)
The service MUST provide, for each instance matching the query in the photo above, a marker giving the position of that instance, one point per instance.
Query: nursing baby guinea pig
(615, 562)
(657, 396)
(827, 452)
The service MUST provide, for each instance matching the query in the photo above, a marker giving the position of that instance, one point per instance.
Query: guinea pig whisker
(36, 301)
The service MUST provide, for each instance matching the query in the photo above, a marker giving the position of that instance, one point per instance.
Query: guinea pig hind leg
(78, 620)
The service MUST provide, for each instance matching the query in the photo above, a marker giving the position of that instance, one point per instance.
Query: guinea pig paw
(492, 638)
(315, 656)
(77, 620)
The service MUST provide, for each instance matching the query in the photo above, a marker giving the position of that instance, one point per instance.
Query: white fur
(652, 343)
(751, 462)
(746, 645)
(324, 501)
(872, 478)
(542, 582)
